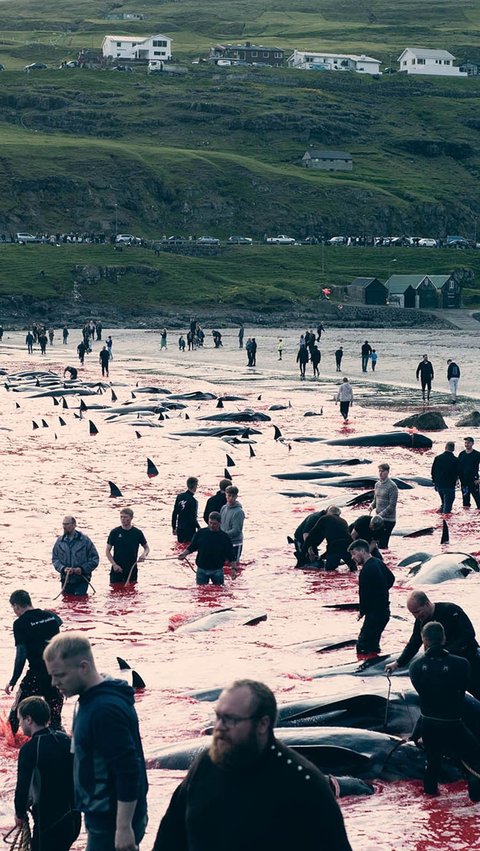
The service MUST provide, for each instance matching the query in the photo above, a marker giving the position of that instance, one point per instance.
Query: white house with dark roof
(423, 60)
(314, 60)
(327, 160)
(152, 48)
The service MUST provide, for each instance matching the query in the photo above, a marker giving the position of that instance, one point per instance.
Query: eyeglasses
(232, 720)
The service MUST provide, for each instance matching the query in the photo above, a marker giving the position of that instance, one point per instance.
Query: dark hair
(224, 483)
(215, 515)
(470, 439)
(35, 707)
(359, 544)
(20, 598)
(232, 490)
(191, 482)
(433, 634)
(263, 699)
(384, 467)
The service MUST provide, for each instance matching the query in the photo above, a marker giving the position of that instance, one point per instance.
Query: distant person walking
(374, 359)
(302, 360)
(453, 377)
(181, 343)
(110, 347)
(29, 341)
(280, 348)
(65, 334)
(104, 360)
(81, 350)
(320, 328)
(445, 472)
(366, 352)
(241, 334)
(345, 397)
(338, 358)
(51, 335)
(184, 514)
(315, 357)
(43, 343)
(426, 375)
(163, 339)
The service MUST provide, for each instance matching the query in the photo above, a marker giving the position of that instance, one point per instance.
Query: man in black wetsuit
(468, 462)
(218, 500)
(45, 780)
(184, 514)
(369, 529)
(302, 531)
(338, 358)
(213, 548)
(32, 630)
(366, 353)
(125, 541)
(445, 471)
(250, 791)
(425, 372)
(459, 635)
(72, 372)
(334, 530)
(441, 680)
(104, 360)
(374, 583)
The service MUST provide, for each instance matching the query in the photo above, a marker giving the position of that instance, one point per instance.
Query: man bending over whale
(250, 791)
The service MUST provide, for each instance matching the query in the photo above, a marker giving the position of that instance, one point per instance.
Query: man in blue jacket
(74, 556)
(109, 767)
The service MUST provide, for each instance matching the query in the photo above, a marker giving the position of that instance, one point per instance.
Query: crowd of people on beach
(246, 789)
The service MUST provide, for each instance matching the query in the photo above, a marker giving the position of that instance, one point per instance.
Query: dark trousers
(450, 738)
(339, 364)
(364, 363)
(344, 407)
(426, 385)
(31, 685)
(60, 836)
(447, 497)
(335, 554)
(384, 534)
(369, 636)
(185, 534)
(470, 489)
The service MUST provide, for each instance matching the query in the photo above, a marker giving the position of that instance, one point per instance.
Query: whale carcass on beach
(412, 440)
(432, 569)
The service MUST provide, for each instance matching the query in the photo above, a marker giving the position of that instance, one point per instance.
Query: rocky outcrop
(428, 421)
(472, 419)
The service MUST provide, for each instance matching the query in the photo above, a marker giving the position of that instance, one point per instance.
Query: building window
(404, 62)
(265, 54)
(254, 53)
(159, 53)
(119, 43)
(421, 61)
(413, 61)
(159, 43)
(446, 62)
(278, 55)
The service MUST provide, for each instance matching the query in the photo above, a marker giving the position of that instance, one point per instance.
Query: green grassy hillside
(218, 150)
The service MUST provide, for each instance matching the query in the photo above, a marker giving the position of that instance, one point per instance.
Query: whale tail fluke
(445, 533)
(219, 404)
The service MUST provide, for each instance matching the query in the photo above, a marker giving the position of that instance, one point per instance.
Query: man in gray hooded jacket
(232, 517)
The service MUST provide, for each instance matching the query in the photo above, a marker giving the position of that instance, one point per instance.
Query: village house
(422, 60)
(327, 160)
(311, 60)
(362, 291)
(128, 48)
(425, 291)
(247, 53)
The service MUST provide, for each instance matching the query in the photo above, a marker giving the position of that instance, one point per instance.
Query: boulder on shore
(427, 421)
(471, 419)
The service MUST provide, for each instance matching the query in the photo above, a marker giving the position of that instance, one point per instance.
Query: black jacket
(374, 583)
(459, 633)
(281, 802)
(213, 549)
(453, 371)
(48, 755)
(425, 369)
(445, 470)
(468, 464)
(184, 514)
(214, 503)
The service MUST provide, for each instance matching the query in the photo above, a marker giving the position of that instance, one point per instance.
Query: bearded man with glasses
(248, 790)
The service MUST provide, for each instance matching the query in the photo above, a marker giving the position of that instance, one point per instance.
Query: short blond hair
(69, 645)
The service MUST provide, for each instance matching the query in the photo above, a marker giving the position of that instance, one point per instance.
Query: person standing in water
(345, 397)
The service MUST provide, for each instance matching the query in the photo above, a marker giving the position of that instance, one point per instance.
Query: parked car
(177, 240)
(36, 66)
(26, 237)
(309, 240)
(122, 68)
(208, 240)
(426, 242)
(240, 240)
(458, 242)
(72, 63)
(281, 239)
(337, 240)
(127, 239)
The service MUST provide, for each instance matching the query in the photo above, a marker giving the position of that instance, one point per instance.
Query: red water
(44, 477)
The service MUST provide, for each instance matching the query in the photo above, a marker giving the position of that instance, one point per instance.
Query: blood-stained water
(58, 470)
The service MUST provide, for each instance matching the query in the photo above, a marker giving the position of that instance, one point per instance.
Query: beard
(225, 754)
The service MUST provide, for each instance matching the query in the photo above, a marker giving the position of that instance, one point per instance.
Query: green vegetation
(218, 150)
(239, 275)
